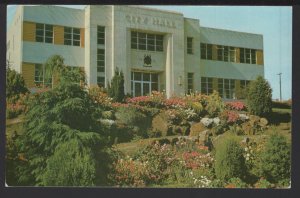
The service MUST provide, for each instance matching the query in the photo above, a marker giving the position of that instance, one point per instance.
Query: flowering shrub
(238, 106)
(99, 96)
(208, 122)
(236, 182)
(156, 99)
(175, 102)
(214, 105)
(128, 172)
(194, 160)
(16, 106)
(232, 117)
(262, 183)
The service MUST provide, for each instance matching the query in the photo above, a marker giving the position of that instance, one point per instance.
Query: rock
(160, 124)
(245, 140)
(248, 128)
(203, 136)
(196, 129)
(263, 122)
(285, 126)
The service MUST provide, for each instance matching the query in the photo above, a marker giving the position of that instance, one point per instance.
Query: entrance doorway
(143, 84)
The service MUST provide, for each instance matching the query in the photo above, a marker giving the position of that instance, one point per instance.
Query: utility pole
(280, 85)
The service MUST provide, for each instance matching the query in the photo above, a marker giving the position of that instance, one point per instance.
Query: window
(143, 83)
(232, 54)
(101, 81)
(206, 85)
(226, 88)
(100, 60)
(244, 83)
(71, 36)
(222, 53)
(44, 33)
(189, 45)
(248, 56)
(190, 82)
(145, 41)
(100, 35)
(39, 76)
(206, 51)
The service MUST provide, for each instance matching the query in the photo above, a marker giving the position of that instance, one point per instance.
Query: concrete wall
(35, 52)
(14, 38)
(230, 70)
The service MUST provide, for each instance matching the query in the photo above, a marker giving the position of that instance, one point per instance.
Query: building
(155, 49)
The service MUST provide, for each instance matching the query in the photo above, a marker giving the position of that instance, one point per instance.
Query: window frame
(207, 83)
(189, 45)
(190, 82)
(226, 88)
(100, 31)
(71, 34)
(141, 41)
(248, 56)
(152, 81)
(44, 30)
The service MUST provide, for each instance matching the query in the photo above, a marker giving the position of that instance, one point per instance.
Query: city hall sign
(148, 21)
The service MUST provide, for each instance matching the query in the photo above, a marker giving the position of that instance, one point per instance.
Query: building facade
(155, 49)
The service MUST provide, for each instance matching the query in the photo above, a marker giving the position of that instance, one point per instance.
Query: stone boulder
(263, 122)
(197, 128)
(160, 123)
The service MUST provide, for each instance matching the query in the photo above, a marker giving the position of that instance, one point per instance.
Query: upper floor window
(206, 51)
(145, 41)
(100, 35)
(190, 45)
(71, 36)
(100, 60)
(247, 55)
(232, 54)
(223, 52)
(44, 33)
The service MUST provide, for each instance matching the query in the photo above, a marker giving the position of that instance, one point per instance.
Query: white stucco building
(155, 49)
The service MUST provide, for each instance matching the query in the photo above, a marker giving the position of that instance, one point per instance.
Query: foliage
(214, 104)
(72, 164)
(262, 183)
(63, 114)
(132, 116)
(116, 87)
(276, 159)
(259, 98)
(99, 96)
(238, 106)
(15, 84)
(230, 161)
(236, 182)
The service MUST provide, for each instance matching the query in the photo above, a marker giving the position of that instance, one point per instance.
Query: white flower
(246, 149)
(247, 158)
(216, 120)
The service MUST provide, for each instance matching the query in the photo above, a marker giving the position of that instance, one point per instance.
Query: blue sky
(274, 23)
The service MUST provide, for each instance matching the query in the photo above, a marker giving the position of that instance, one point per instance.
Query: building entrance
(143, 84)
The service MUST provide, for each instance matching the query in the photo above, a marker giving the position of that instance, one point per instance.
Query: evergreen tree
(15, 83)
(116, 88)
(259, 97)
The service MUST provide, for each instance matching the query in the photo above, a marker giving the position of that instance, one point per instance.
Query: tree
(259, 97)
(116, 88)
(230, 162)
(57, 120)
(15, 83)
(276, 159)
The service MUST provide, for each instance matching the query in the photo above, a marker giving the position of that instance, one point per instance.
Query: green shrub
(276, 159)
(214, 104)
(116, 88)
(259, 97)
(15, 83)
(133, 117)
(237, 183)
(230, 161)
(71, 165)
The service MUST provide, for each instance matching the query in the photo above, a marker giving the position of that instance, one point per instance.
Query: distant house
(155, 49)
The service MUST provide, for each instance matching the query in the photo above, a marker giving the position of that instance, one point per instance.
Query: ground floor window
(39, 78)
(226, 88)
(143, 84)
(190, 82)
(244, 83)
(206, 85)
(101, 81)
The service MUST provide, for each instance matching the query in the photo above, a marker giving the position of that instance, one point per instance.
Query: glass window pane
(39, 39)
(138, 90)
(137, 76)
(48, 40)
(154, 78)
(154, 87)
(76, 31)
(76, 43)
(146, 76)
(146, 89)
